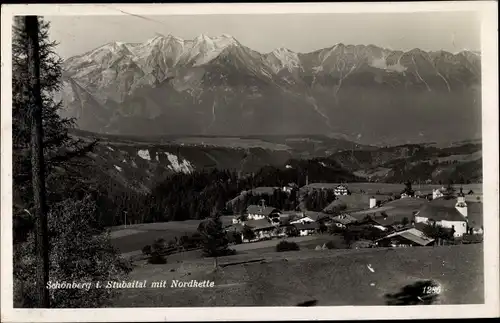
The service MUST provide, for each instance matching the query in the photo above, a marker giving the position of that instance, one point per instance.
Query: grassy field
(134, 237)
(331, 277)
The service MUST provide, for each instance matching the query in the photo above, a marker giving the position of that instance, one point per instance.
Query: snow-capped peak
(178, 39)
(282, 50)
(285, 59)
(205, 48)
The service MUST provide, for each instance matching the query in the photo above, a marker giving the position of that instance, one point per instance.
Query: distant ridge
(218, 86)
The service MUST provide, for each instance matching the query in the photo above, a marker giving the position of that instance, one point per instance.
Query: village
(412, 218)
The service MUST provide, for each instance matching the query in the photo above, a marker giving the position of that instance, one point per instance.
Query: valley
(143, 162)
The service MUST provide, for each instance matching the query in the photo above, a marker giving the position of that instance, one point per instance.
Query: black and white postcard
(245, 162)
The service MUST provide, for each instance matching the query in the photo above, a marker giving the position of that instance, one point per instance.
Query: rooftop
(316, 215)
(264, 190)
(344, 219)
(475, 214)
(259, 224)
(440, 212)
(412, 234)
(306, 226)
(257, 209)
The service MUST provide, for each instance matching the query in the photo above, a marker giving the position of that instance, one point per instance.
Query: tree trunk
(37, 163)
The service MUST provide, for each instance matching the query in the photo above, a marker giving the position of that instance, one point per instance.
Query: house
(308, 228)
(303, 219)
(393, 215)
(448, 214)
(263, 229)
(289, 188)
(259, 212)
(437, 193)
(343, 220)
(341, 190)
(475, 218)
(310, 216)
(406, 195)
(406, 238)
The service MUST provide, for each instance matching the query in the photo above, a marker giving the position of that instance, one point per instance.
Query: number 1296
(432, 290)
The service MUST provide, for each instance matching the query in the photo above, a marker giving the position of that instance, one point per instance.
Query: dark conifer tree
(58, 146)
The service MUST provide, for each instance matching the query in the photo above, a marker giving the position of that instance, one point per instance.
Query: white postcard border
(488, 11)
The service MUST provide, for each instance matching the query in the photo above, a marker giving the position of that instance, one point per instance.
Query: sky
(450, 31)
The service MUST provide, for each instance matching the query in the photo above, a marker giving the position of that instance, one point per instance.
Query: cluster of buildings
(402, 221)
(268, 222)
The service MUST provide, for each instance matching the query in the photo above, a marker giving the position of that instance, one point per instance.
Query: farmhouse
(445, 213)
(341, 190)
(344, 219)
(262, 229)
(310, 216)
(305, 229)
(259, 212)
(436, 193)
(407, 238)
(475, 218)
(289, 188)
(393, 215)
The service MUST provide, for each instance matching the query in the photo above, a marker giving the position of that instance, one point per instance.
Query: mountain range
(217, 86)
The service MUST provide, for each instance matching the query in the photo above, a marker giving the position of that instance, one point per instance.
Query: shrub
(333, 229)
(157, 259)
(146, 250)
(331, 245)
(287, 246)
(159, 245)
(79, 251)
(248, 233)
(234, 237)
(292, 231)
(171, 244)
(322, 227)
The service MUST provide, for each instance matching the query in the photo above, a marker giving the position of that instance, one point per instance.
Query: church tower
(461, 206)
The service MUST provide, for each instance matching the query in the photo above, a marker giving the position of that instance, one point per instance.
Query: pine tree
(59, 147)
(214, 238)
(78, 249)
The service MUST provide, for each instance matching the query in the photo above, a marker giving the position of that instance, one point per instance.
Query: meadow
(329, 277)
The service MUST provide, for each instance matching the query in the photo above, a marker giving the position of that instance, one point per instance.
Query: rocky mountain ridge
(218, 86)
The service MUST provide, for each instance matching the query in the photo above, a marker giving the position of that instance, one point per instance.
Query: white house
(436, 193)
(373, 202)
(305, 229)
(262, 229)
(341, 190)
(304, 219)
(445, 213)
(259, 212)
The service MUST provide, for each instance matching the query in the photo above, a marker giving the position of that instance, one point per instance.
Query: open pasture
(134, 237)
(330, 277)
